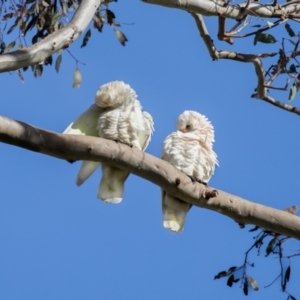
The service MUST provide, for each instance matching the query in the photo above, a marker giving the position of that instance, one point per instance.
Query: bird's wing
(173, 150)
(145, 135)
(174, 210)
(86, 123)
(167, 148)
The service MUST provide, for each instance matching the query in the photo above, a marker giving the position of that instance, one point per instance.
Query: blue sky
(59, 242)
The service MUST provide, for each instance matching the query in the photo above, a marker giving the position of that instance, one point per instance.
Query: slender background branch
(236, 11)
(261, 89)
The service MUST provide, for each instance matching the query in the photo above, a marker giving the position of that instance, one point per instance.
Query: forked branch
(261, 88)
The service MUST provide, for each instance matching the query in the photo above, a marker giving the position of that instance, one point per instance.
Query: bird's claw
(192, 179)
(119, 141)
(202, 182)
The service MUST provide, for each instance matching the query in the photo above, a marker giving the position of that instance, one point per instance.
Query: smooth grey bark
(155, 170)
(235, 11)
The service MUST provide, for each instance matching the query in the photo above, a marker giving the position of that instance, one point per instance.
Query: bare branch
(215, 54)
(54, 42)
(279, 88)
(239, 26)
(255, 59)
(278, 22)
(279, 104)
(257, 65)
(205, 36)
(159, 172)
(290, 2)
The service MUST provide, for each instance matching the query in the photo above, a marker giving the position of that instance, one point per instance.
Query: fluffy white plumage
(189, 149)
(117, 115)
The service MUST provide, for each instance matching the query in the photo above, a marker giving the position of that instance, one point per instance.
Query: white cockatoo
(189, 149)
(116, 115)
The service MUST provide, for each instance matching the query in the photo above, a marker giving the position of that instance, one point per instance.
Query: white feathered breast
(191, 152)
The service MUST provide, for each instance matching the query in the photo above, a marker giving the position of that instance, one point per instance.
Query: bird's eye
(188, 127)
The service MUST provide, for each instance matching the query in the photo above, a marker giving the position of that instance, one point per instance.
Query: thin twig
(293, 255)
(222, 35)
(278, 22)
(276, 87)
(77, 61)
(281, 265)
(279, 104)
(255, 59)
(266, 286)
(289, 3)
(232, 31)
(279, 88)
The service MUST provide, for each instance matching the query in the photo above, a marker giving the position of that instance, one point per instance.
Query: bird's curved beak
(183, 130)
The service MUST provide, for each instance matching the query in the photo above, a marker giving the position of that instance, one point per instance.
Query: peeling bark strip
(157, 171)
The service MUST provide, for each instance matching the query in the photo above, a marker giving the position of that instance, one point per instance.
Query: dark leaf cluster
(43, 17)
(287, 63)
(275, 247)
(108, 17)
(234, 276)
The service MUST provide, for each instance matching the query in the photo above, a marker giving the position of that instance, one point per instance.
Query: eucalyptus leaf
(58, 62)
(86, 38)
(289, 30)
(270, 246)
(77, 78)
(293, 92)
(10, 46)
(121, 37)
(20, 75)
(230, 280)
(253, 283)
(245, 287)
(293, 68)
(265, 38)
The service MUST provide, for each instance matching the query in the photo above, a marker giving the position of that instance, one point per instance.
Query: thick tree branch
(236, 11)
(161, 173)
(54, 42)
